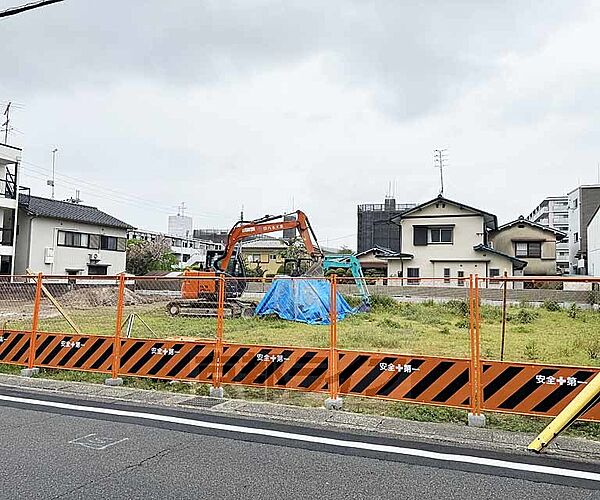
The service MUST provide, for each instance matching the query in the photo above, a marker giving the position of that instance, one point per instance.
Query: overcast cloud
(317, 105)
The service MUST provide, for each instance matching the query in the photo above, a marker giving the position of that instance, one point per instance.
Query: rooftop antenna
(242, 213)
(50, 182)
(181, 209)
(76, 200)
(440, 158)
(5, 124)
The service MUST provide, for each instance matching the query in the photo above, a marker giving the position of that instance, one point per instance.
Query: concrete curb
(442, 433)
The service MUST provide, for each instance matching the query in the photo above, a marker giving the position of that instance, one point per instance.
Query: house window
(461, 278)
(273, 256)
(531, 249)
(73, 239)
(446, 275)
(264, 258)
(412, 272)
(440, 235)
(494, 273)
(113, 243)
(575, 237)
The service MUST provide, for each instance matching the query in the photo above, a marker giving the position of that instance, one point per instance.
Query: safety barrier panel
(74, 352)
(469, 383)
(534, 389)
(167, 359)
(418, 379)
(14, 347)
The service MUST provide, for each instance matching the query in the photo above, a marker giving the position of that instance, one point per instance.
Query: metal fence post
(334, 402)
(475, 418)
(35, 320)
(502, 340)
(116, 362)
(216, 390)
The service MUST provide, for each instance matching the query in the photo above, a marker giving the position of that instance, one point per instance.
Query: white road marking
(96, 442)
(306, 438)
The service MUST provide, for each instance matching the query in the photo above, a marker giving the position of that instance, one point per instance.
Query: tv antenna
(440, 159)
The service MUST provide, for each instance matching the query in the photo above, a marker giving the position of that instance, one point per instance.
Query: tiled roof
(64, 210)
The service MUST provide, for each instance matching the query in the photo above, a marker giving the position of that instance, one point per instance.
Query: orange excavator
(199, 292)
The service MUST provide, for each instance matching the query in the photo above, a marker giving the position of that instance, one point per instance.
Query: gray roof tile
(54, 209)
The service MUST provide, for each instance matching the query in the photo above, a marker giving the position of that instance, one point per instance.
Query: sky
(319, 106)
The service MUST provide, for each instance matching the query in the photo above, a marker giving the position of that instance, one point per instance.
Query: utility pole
(439, 159)
(51, 183)
(5, 124)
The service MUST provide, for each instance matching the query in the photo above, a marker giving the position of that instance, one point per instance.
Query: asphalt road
(57, 447)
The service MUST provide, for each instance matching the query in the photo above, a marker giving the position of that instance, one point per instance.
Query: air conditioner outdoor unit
(94, 257)
(48, 255)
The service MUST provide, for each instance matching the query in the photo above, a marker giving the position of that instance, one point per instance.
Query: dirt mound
(101, 296)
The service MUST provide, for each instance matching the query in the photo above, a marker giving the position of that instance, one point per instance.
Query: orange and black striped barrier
(14, 347)
(294, 368)
(73, 352)
(437, 381)
(534, 389)
(167, 359)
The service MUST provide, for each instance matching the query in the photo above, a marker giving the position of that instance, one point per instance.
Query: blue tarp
(305, 300)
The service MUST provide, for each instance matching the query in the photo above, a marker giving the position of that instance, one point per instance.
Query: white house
(64, 238)
(447, 239)
(593, 245)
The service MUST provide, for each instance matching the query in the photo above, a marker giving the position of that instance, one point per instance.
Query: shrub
(531, 351)
(573, 310)
(459, 307)
(551, 305)
(445, 330)
(383, 301)
(462, 323)
(592, 347)
(525, 316)
(389, 323)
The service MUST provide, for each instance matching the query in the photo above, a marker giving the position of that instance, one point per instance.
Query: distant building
(215, 235)
(531, 242)
(264, 252)
(553, 212)
(583, 204)
(375, 226)
(64, 238)
(10, 158)
(189, 251)
(180, 226)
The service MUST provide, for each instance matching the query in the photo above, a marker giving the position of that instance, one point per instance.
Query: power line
(109, 193)
(13, 11)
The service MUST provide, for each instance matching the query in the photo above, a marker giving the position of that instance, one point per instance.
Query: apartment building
(376, 227)
(10, 158)
(553, 212)
(583, 205)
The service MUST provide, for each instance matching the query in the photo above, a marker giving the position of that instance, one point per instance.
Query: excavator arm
(270, 224)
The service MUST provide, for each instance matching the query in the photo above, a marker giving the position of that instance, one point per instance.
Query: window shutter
(94, 241)
(121, 244)
(419, 236)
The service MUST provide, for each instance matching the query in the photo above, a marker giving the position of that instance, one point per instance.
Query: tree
(296, 252)
(146, 256)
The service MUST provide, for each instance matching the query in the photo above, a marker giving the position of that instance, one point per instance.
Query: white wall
(38, 233)
(593, 235)
(574, 246)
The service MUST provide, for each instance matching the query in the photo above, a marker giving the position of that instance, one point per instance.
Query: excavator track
(233, 308)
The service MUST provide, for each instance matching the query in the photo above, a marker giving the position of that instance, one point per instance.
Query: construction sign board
(534, 389)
